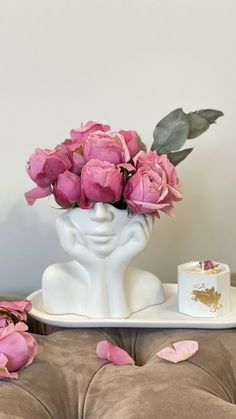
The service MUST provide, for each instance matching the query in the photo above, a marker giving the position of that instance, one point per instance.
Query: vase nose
(101, 212)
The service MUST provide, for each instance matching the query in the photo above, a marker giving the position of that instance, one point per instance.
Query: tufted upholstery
(68, 381)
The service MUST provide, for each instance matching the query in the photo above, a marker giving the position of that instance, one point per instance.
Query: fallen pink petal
(113, 353)
(181, 351)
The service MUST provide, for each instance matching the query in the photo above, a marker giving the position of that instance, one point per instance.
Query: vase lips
(100, 238)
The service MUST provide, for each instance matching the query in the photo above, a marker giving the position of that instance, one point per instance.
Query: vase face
(102, 228)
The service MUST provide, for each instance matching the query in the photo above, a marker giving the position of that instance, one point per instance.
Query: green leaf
(197, 124)
(171, 132)
(179, 156)
(210, 114)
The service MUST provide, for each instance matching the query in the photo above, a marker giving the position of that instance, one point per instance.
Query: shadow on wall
(28, 245)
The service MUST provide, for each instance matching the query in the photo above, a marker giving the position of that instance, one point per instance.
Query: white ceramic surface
(203, 293)
(99, 282)
(162, 315)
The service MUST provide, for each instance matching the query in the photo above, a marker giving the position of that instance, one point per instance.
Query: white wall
(126, 63)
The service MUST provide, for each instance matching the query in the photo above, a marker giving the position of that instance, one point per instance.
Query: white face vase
(102, 228)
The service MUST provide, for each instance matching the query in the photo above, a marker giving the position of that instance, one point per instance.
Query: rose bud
(67, 189)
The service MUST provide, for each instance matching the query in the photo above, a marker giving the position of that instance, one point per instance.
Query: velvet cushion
(68, 381)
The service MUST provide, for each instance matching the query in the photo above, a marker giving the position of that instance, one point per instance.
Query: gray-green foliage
(175, 128)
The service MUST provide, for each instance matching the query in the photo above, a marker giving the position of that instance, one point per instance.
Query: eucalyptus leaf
(197, 124)
(171, 132)
(177, 156)
(210, 114)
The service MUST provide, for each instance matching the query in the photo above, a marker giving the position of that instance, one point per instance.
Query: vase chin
(100, 282)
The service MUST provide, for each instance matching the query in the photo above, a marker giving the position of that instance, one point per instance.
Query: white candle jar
(203, 292)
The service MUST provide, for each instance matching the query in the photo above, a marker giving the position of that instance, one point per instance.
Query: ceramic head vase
(99, 282)
(90, 172)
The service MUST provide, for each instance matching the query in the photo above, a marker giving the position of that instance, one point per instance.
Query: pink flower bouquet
(97, 164)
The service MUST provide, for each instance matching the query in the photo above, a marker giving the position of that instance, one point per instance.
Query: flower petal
(180, 352)
(36, 193)
(113, 353)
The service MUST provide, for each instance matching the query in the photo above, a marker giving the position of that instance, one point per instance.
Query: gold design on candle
(208, 296)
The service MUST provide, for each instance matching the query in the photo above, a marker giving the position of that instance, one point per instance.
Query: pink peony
(100, 182)
(146, 192)
(14, 311)
(86, 129)
(44, 165)
(110, 147)
(18, 346)
(155, 162)
(67, 189)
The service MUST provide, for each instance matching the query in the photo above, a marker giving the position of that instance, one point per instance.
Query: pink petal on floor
(113, 353)
(180, 352)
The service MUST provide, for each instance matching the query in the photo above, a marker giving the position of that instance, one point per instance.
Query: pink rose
(131, 139)
(75, 149)
(155, 162)
(133, 142)
(86, 129)
(100, 182)
(17, 348)
(14, 311)
(146, 192)
(44, 165)
(4, 373)
(67, 189)
(109, 146)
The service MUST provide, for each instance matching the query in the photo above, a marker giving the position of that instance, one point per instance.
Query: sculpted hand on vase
(98, 283)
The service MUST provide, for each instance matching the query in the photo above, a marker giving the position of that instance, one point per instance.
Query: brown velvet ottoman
(68, 381)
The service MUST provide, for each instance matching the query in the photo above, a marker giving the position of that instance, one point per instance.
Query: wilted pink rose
(131, 139)
(86, 129)
(155, 162)
(109, 146)
(146, 192)
(76, 152)
(100, 182)
(44, 165)
(18, 346)
(133, 142)
(14, 311)
(67, 189)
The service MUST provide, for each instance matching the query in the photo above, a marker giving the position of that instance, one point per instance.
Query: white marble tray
(162, 315)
